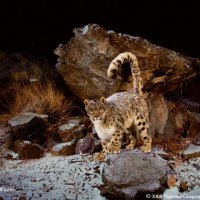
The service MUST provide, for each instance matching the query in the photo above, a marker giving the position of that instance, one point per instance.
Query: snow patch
(72, 177)
(84, 30)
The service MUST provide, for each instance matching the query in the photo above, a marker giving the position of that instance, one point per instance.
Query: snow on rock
(74, 177)
(28, 126)
(84, 29)
(67, 148)
(71, 124)
(192, 151)
(28, 150)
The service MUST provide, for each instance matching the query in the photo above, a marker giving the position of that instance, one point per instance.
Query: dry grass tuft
(41, 99)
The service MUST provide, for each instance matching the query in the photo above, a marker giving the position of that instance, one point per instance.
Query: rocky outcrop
(83, 63)
(84, 60)
(131, 174)
(29, 126)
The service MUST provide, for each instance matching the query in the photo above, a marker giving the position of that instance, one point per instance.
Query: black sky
(39, 26)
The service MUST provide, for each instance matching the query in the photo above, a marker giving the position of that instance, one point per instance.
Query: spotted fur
(113, 116)
(127, 57)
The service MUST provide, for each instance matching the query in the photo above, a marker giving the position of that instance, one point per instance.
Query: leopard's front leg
(101, 155)
(114, 145)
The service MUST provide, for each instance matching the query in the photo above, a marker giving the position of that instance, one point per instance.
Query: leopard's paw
(145, 149)
(99, 156)
(130, 146)
(114, 150)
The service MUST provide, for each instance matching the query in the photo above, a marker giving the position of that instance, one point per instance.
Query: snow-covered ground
(73, 177)
(76, 177)
(189, 172)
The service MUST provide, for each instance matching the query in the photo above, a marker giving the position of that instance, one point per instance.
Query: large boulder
(84, 60)
(133, 174)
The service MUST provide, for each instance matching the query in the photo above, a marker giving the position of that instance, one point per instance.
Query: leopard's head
(96, 108)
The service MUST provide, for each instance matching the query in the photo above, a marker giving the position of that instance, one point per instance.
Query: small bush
(41, 99)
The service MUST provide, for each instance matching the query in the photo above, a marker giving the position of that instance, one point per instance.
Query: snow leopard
(114, 115)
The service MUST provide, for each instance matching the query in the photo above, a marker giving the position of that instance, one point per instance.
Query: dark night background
(38, 27)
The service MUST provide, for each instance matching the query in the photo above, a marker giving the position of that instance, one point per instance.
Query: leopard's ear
(86, 102)
(103, 100)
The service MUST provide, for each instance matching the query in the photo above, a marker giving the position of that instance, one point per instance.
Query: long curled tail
(122, 58)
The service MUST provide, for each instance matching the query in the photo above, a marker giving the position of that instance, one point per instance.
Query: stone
(194, 130)
(65, 136)
(158, 109)
(69, 125)
(183, 186)
(28, 126)
(174, 121)
(160, 152)
(133, 174)
(180, 120)
(27, 150)
(85, 146)
(6, 137)
(88, 54)
(80, 132)
(192, 151)
(8, 154)
(43, 117)
(169, 122)
(67, 148)
(71, 129)
(171, 181)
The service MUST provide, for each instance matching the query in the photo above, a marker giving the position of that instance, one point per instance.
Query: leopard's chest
(104, 132)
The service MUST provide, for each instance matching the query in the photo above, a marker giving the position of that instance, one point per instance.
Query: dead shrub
(41, 99)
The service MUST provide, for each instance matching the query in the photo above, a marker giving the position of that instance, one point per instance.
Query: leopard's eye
(90, 110)
(101, 109)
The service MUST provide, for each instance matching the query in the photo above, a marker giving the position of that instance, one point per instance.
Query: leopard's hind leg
(132, 140)
(142, 128)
